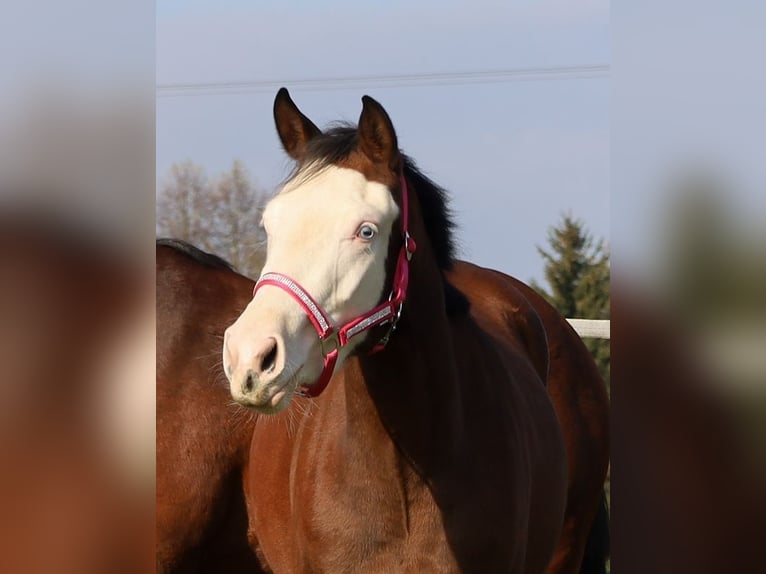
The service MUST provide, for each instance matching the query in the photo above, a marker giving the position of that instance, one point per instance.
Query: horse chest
(377, 516)
(391, 522)
(352, 504)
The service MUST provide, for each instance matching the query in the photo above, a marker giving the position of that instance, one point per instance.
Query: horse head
(331, 231)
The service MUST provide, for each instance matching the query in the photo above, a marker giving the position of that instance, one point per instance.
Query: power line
(584, 72)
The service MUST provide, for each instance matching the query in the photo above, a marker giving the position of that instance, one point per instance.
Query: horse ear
(295, 130)
(377, 137)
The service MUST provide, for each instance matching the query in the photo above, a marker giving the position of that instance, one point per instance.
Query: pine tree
(577, 271)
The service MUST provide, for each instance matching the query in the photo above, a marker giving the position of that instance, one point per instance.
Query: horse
(202, 439)
(579, 396)
(427, 440)
(509, 300)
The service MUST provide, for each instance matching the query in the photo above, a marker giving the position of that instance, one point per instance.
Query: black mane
(195, 253)
(338, 142)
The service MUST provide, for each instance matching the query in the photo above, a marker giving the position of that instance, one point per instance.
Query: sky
(687, 101)
(514, 155)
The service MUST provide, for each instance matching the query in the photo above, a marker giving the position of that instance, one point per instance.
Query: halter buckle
(391, 328)
(409, 245)
(330, 343)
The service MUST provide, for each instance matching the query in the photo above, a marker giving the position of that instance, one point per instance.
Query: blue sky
(514, 155)
(688, 95)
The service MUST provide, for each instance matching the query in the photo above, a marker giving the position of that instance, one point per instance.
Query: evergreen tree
(577, 271)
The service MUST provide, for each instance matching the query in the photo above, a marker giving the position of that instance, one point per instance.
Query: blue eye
(366, 232)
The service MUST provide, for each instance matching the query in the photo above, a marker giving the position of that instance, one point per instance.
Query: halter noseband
(332, 339)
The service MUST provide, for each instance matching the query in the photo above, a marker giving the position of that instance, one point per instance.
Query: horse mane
(340, 140)
(208, 259)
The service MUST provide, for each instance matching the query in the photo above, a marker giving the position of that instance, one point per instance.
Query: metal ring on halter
(408, 242)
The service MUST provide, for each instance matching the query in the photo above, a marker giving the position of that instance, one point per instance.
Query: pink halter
(332, 339)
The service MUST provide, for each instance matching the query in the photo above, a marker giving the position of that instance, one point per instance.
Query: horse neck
(413, 382)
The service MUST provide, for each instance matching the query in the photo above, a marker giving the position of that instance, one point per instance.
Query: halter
(332, 339)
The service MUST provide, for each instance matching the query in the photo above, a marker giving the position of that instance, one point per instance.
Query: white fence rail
(591, 328)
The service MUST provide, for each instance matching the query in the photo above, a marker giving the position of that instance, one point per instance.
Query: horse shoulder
(504, 310)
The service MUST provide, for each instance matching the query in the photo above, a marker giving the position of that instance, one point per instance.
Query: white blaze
(312, 227)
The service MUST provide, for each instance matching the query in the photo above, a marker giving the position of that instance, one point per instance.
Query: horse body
(434, 456)
(202, 472)
(578, 395)
(443, 452)
(184, 526)
(202, 440)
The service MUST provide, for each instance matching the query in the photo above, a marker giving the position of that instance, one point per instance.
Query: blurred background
(688, 286)
(77, 287)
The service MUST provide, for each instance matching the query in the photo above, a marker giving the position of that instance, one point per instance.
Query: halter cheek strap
(332, 339)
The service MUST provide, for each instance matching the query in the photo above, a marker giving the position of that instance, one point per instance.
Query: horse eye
(366, 232)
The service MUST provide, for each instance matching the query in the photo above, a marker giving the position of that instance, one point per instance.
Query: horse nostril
(270, 358)
(249, 384)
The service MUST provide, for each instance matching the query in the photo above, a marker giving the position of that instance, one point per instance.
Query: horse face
(329, 232)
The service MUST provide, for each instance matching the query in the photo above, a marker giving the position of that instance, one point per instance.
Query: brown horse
(578, 395)
(202, 439)
(577, 399)
(441, 452)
